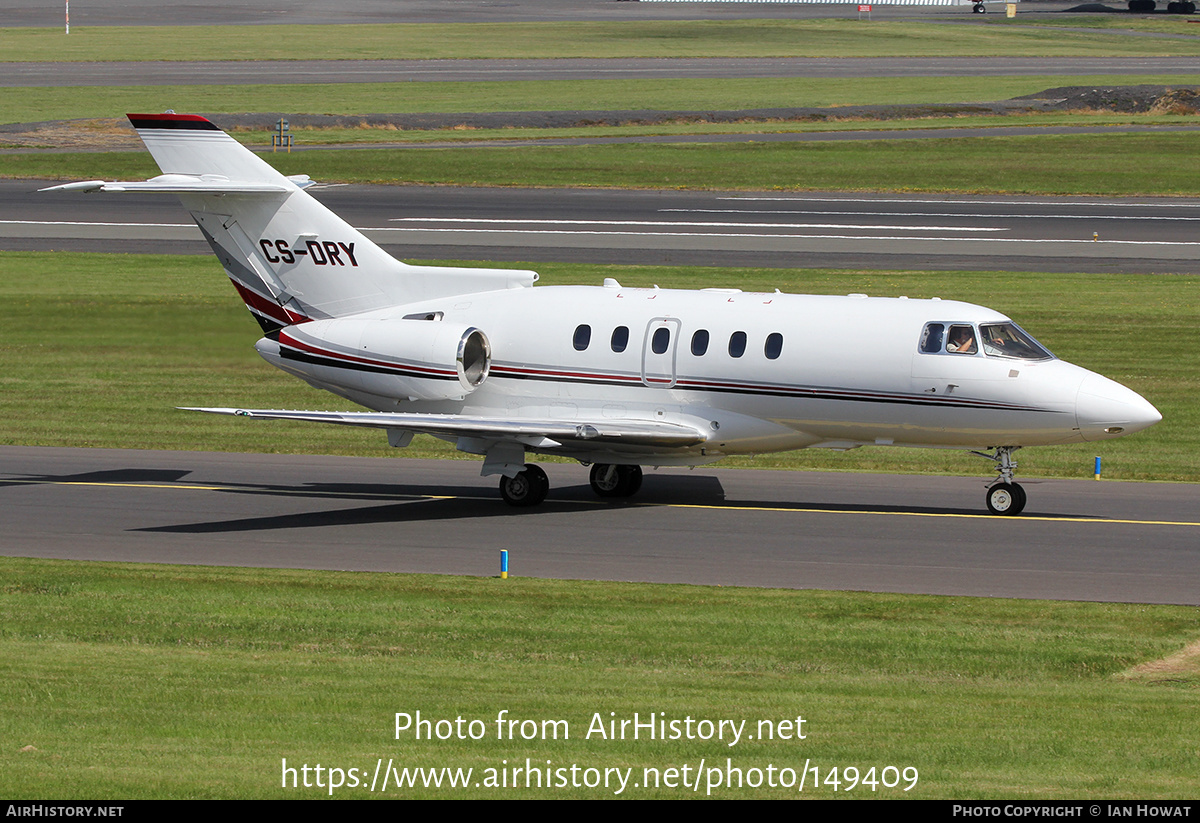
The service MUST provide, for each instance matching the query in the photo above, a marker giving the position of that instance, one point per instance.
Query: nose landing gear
(1005, 496)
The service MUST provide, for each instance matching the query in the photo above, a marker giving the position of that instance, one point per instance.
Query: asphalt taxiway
(776, 229)
(291, 72)
(1078, 539)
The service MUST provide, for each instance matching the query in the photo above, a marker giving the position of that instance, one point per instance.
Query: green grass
(133, 681)
(1043, 164)
(37, 104)
(382, 135)
(1148, 24)
(620, 39)
(100, 349)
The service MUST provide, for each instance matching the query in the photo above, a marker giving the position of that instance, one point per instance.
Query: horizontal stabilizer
(180, 184)
(628, 432)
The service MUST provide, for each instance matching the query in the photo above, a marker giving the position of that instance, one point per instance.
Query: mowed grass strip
(100, 349)
(611, 39)
(37, 104)
(128, 681)
(365, 134)
(1042, 164)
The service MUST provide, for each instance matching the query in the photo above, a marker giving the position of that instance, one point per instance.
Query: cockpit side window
(931, 338)
(1009, 340)
(961, 339)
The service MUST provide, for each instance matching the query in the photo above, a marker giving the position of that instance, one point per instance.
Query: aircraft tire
(1006, 499)
(528, 488)
(609, 480)
(633, 481)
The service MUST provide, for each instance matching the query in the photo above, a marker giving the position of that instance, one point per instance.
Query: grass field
(127, 681)
(36, 104)
(365, 133)
(102, 348)
(1044, 164)
(621, 39)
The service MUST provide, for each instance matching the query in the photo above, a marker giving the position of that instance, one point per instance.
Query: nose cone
(1105, 409)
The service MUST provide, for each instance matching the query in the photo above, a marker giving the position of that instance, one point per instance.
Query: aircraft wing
(541, 434)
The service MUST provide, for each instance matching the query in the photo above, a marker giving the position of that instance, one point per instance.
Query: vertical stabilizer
(290, 258)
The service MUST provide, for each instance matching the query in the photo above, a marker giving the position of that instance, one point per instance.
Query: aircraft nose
(1106, 409)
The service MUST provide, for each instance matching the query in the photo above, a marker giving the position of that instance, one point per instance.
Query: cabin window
(620, 338)
(1008, 340)
(774, 346)
(961, 340)
(931, 338)
(700, 342)
(660, 340)
(737, 344)
(583, 336)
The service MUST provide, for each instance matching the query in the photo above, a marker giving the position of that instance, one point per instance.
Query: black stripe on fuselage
(288, 353)
(799, 393)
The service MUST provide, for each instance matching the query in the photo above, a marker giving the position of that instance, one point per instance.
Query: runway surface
(891, 231)
(162, 73)
(1079, 539)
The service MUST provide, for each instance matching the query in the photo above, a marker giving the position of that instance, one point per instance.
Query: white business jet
(614, 377)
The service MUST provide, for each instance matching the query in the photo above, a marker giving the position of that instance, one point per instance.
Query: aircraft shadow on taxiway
(420, 502)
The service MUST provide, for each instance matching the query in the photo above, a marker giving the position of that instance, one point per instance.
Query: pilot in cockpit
(962, 340)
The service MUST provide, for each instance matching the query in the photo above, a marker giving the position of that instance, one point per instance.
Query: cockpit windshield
(994, 339)
(1008, 340)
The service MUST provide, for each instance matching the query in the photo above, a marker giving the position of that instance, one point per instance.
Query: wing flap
(542, 432)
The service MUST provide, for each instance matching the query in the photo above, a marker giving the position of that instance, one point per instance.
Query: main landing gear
(979, 8)
(530, 486)
(1005, 496)
(609, 480)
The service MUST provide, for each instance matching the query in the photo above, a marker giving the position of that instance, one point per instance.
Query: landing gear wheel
(979, 8)
(528, 488)
(610, 480)
(1006, 498)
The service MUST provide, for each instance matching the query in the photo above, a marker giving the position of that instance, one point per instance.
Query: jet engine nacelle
(393, 358)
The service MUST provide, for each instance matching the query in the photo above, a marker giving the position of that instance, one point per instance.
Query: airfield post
(282, 136)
